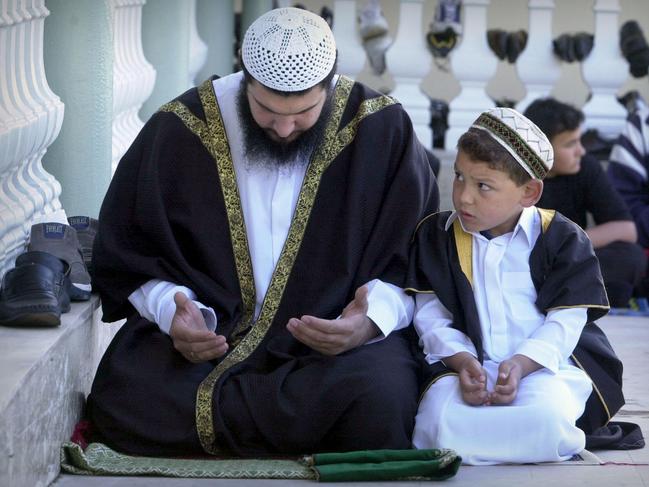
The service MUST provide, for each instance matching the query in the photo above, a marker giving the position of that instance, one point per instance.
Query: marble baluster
(473, 64)
(605, 71)
(537, 66)
(351, 55)
(133, 75)
(408, 61)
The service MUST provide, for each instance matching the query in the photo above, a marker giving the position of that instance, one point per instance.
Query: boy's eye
(484, 187)
(458, 176)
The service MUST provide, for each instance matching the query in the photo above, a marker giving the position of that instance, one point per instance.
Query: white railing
(474, 65)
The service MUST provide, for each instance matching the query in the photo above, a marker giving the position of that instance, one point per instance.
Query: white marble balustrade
(133, 76)
(474, 65)
(30, 119)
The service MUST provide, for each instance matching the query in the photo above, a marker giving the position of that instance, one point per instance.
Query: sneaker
(61, 240)
(371, 21)
(86, 228)
(29, 297)
(61, 271)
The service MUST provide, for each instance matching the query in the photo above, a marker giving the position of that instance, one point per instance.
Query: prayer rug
(98, 459)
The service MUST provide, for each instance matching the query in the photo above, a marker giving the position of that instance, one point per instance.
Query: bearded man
(243, 218)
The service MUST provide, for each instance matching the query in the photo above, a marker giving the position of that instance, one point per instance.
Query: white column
(78, 55)
(30, 120)
(537, 66)
(473, 64)
(605, 71)
(409, 61)
(133, 76)
(215, 22)
(197, 48)
(251, 10)
(351, 55)
(172, 46)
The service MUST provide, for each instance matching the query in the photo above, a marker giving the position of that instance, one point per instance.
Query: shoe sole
(35, 320)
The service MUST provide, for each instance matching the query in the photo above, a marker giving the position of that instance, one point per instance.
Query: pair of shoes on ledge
(36, 291)
(62, 241)
(50, 274)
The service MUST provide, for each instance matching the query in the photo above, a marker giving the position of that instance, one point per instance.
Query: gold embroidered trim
(333, 143)
(546, 218)
(212, 135)
(215, 141)
(599, 306)
(464, 246)
(413, 290)
(220, 150)
(191, 121)
(599, 394)
(421, 222)
(217, 144)
(367, 107)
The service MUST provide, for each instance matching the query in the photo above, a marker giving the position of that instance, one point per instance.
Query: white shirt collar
(526, 224)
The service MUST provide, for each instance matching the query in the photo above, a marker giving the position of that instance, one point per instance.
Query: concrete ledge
(45, 377)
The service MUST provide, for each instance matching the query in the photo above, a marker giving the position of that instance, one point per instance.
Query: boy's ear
(532, 191)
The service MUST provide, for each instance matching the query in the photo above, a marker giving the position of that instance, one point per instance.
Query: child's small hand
(506, 388)
(473, 382)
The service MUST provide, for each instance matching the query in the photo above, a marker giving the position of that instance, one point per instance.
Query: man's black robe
(172, 212)
(565, 273)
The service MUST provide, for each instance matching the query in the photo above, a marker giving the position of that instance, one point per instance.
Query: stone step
(45, 377)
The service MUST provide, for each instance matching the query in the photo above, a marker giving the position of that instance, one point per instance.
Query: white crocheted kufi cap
(289, 49)
(521, 137)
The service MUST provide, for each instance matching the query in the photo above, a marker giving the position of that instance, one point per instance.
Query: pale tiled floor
(630, 338)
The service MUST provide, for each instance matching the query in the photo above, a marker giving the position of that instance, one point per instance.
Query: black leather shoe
(29, 297)
(60, 268)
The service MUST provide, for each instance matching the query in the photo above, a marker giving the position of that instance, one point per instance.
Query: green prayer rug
(432, 464)
(98, 459)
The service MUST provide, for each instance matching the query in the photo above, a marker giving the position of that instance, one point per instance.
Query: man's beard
(261, 150)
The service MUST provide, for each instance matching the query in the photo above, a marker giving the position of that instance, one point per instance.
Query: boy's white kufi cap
(521, 137)
(289, 49)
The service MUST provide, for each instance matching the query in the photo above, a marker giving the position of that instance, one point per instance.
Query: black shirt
(588, 191)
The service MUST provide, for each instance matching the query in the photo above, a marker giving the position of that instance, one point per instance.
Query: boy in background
(505, 298)
(629, 168)
(577, 186)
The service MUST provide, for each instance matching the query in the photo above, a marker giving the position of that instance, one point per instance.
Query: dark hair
(553, 116)
(324, 83)
(481, 147)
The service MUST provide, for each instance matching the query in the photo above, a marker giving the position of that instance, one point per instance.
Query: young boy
(577, 186)
(503, 292)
